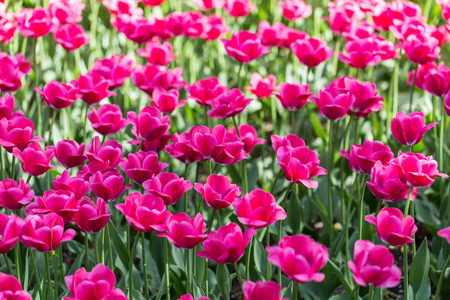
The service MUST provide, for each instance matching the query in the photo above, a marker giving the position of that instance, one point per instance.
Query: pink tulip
(311, 52)
(290, 140)
(374, 265)
(149, 77)
(299, 165)
(108, 184)
(125, 7)
(344, 15)
(7, 107)
(157, 53)
(17, 133)
(7, 29)
(205, 90)
(92, 88)
(35, 162)
(78, 186)
(445, 233)
(115, 69)
(392, 12)
(293, 10)
(58, 95)
(153, 3)
(262, 290)
(185, 23)
(258, 209)
(227, 244)
(209, 4)
(213, 27)
(293, 96)
(45, 233)
(12, 70)
(61, 202)
(360, 53)
(135, 27)
(249, 136)
(167, 186)
(333, 104)
(10, 288)
(155, 146)
(107, 120)
(244, 46)
(229, 148)
(409, 129)
(218, 192)
(362, 158)
(185, 232)
(91, 217)
(66, 11)
(228, 104)
(434, 79)
(392, 228)
(149, 125)
(109, 153)
(189, 297)
(145, 213)
(71, 37)
(98, 284)
(14, 196)
(300, 258)
(166, 101)
(293, 35)
(262, 87)
(142, 166)
(238, 8)
(271, 35)
(421, 49)
(10, 228)
(68, 153)
(34, 22)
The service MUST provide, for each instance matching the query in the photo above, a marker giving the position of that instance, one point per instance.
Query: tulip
(68, 153)
(35, 162)
(155, 146)
(290, 140)
(58, 95)
(262, 87)
(10, 288)
(300, 258)
(34, 22)
(7, 30)
(107, 120)
(205, 90)
(249, 136)
(142, 166)
(7, 107)
(229, 148)
(218, 192)
(166, 101)
(149, 125)
(238, 8)
(45, 233)
(109, 153)
(344, 15)
(244, 46)
(271, 35)
(14, 196)
(66, 11)
(135, 27)
(108, 185)
(185, 23)
(262, 290)
(409, 129)
(374, 265)
(293, 96)
(115, 69)
(71, 37)
(392, 227)
(153, 3)
(78, 186)
(227, 244)
(145, 213)
(12, 70)
(311, 52)
(333, 104)
(421, 49)
(60, 202)
(92, 88)
(362, 158)
(258, 209)
(437, 83)
(189, 297)
(157, 53)
(208, 4)
(10, 228)
(149, 77)
(184, 149)
(228, 104)
(293, 35)
(445, 233)
(17, 133)
(91, 217)
(126, 7)
(360, 54)
(293, 10)
(184, 232)
(167, 186)
(213, 27)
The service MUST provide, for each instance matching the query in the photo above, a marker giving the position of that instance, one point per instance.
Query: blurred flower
(262, 87)
(218, 192)
(361, 159)
(421, 49)
(293, 10)
(157, 53)
(149, 77)
(344, 15)
(393, 12)
(445, 233)
(58, 95)
(262, 290)
(68, 153)
(76, 185)
(91, 217)
(249, 136)
(293, 35)
(14, 196)
(135, 27)
(71, 37)
(437, 80)
(409, 129)
(189, 297)
(228, 104)
(238, 8)
(7, 107)
(293, 96)
(206, 90)
(213, 27)
(123, 7)
(34, 22)
(108, 184)
(360, 53)
(183, 231)
(35, 162)
(10, 228)
(115, 69)
(244, 46)
(271, 35)
(107, 120)
(155, 146)
(149, 125)
(18, 133)
(10, 288)
(166, 101)
(66, 11)
(311, 52)
(209, 4)
(167, 186)
(92, 88)
(61, 202)
(12, 70)
(7, 29)
(333, 103)
(153, 3)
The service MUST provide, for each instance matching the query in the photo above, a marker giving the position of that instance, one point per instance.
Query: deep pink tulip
(293, 10)
(12, 70)
(107, 120)
(333, 104)
(209, 4)
(290, 140)
(409, 129)
(360, 53)
(58, 95)
(272, 35)
(61, 202)
(166, 101)
(68, 153)
(262, 290)
(416, 169)
(363, 30)
(361, 159)
(299, 165)
(91, 217)
(10, 228)
(183, 231)
(167, 186)
(66, 11)
(447, 104)
(34, 22)
(146, 213)
(17, 133)
(45, 233)
(98, 284)
(7, 28)
(71, 37)
(92, 88)
(227, 244)
(109, 153)
(213, 27)
(153, 3)
(14, 196)
(205, 90)
(238, 8)
(7, 107)
(374, 265)
(344, 15)
(392, 227)
(396, 12)
(258, 209)
(35, 162)
(115, 69)
(149, 124)
(300, 258)
(108, 185)
(135, 27)
(262, 87)
(293, 35)
(142, 166)
(293, 96)
(218, 192)
(311, 52)
(421, 49)
(229, 148)
(249, 136)
(125, 7)
(155, 146)
(157, 53)
(436, 80)
(11, 289)
(244, 46)
(228, 104)
(185, 23)
(149, 77)
(76, 185)
(445, 233)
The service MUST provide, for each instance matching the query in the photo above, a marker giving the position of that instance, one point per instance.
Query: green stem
(2, 160)
(336, 55)
(102, 253)
(206, 278)
(166, 268)
(243, 162)
(186, 177)
(238, 85)
(361, 206)
(441, 136)
(144, 266)
(36, 273)
(85, 121)
(13, 167)
(441, 278)
(330, 197)
(36, 84)
(294, 290)
(29, 176)
(273, 112)
(405, 249)
(413, 86)
(56, 279)
(286, 195)
(52, 119)
(211, 221)
(238, 274)
(247, 263)
(188, 271)
(97, 253)
(16, 254)
(206, 115)
(86, 250)
(130, 270)
(371, 289)
(8, 264)
(272, 186)
(109, 247)
(268, 264)
(47, 273)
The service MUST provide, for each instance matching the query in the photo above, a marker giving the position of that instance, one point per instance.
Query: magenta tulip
(167, 186)
(17, 133)
(34, 22)
(185, 232)
(58, 95)
(333, 104)
(244, 46)
(218, 192)
(76, 185)
(142, 166)
(311, 52)
(91, 217)
(293, 96)
(409, 129)
(205, 90)
(361, 159)
(149, 77)
(249, 136)
(108, 184)
(35, 162)
(62, 203)
(166, 101)
(14, 196)
(68, 153)
(262, 290)
(107, 120)
(71, 37)
(10, 288)
(115, 69)
(228, 104)
(92, 88)
(149, 124)
(262, 87)
(10, 228)
(157, 53)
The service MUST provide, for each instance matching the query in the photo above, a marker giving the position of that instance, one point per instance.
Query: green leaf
(318, 127)
(259, 256)
(223, 280)
(119, 246)
(424, 291)
(420, 266)
(294, 215)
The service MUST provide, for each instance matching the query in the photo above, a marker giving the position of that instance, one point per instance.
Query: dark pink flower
(10, 228)
(155, 146)
(422, 71)
(396, 12)
(61, 202)
(7, 30)
(10, 288)
(333, 104)
(183, 231)
(192, 146)
(293, 35)
(76, 185)
(107, 120)
(249, 136)
(189, 297)
(7, 107)
(213, 27)
(311, 52)
(92, 88)
(142, 166)
(71, 36)
(293, 96)
(109, 153)
(123, 7)
(290, 140)
(293, 10)
(218, 192)
(238, 8)
(361, 159)
(34, 22)
(228, 104)
(227, 244)
(209, 4)
(374, 265)
(344, 15)
(149, 125)
(262, 87)
(166, 101)
(167, 186)
(135, 27)
(262, 290)
(35, 162)
(153, 3)
(300, 258)
(360, 53)
(17, 133)
(149, 77)
(115, 69)
(12, 70)
(206, 90)
(445, 233)
(409, 129)
(244, 46)
(272, 35)
(157, 53)
(66, 11)
(92, 217)
(14, 196)
(68, 153)
(229, 148)
(58, 95)
(437, 81)
(421, 49)
(108, 184)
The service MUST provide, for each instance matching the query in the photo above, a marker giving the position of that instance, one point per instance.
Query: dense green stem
(48, 286)
(441, 278)
(405, 249)
(206, 279)
(294, 290)
(361, 206)
(130, 269)
(413, 86)
(2, 160)
(336, 55)
(330, 197)
(86, 250)
(5, 257)
(109, 247)
(188, 271)
(371, 288)
(268, 264)
(238, 85)
(186, 177)
(236, 269)
(36, 274)
(56, 272)
(166, 268)
(247, 263)
(102, 253)
(144, 266)
(17, 257)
